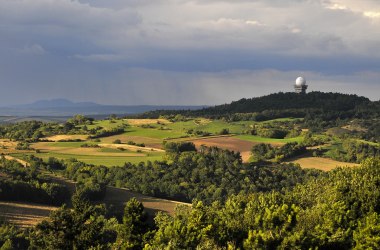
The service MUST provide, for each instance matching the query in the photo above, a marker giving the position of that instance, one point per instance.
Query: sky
(185, 52)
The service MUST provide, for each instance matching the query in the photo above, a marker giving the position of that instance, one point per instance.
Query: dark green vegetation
(34, 130)
(319, 110)
(210, 175)
(263, 152)
(336, 210)
(18, 183)
(261, 204)
(353, 151)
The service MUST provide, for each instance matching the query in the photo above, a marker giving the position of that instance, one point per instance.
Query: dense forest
(296, 104)
(336, 210)
(18, 183)
(210, 175)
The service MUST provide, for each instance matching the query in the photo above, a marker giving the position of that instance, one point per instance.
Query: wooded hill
(294, 103)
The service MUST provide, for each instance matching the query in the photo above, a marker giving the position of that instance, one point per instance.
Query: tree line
(18, 183)
(337, 210)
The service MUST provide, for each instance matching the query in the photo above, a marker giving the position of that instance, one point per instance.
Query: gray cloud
(32, 49)
(185, 51)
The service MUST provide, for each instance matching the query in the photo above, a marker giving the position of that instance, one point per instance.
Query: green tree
(82, 227)
(367, 236)
(132, 231)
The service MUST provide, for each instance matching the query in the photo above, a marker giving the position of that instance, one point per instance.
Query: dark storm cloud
(162, 52)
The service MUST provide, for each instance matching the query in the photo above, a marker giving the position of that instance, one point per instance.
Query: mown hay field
(325, 164)
(66, 137)
(117, 197)
(108, 161)
(136, 122)
(125, 138)
(24, 214)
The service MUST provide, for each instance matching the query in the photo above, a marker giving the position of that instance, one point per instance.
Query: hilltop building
(300, 86)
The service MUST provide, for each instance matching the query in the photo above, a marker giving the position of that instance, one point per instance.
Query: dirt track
(11, 158)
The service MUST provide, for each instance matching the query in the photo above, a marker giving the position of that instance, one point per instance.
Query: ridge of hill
(55, 103)
(64, 108)
(297, 105)
(289, 100)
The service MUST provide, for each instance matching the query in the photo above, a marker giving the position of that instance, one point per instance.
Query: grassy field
(69, 144)
(259, 139)
(96, 159)
(107, 124)
(150, 132)
(324, 164)
(24, 214)
(125, 138)
(155, 133)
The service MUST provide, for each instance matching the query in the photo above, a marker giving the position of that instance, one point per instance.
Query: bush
(117, 141)
(174, 147)
(23, 146)
(224, 131)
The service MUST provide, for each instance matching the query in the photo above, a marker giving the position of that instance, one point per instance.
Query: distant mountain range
(55, 103)
(64, 107)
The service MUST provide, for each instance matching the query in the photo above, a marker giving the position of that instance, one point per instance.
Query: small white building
(300, 86)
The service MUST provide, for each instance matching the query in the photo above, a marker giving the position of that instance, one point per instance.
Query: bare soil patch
(324, 164)
(25, 214)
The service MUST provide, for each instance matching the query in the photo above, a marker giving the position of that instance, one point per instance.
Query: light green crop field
(216, 126)
(154, 132)
(107, 124)
(113, 150)
(254, 138)
(99, 160)
(213, 127)
(70, 144)
(179, 129)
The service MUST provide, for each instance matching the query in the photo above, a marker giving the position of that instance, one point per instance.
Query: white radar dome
(300, 81)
